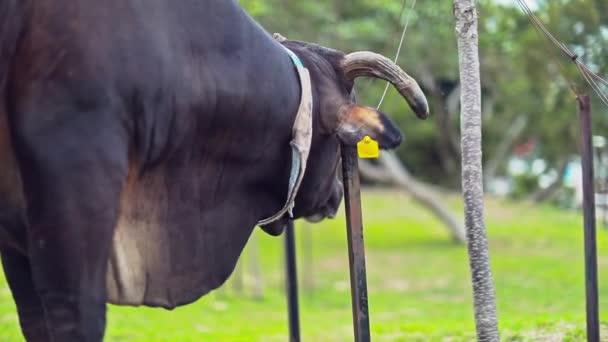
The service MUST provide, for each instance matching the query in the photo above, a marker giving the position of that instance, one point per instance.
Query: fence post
(356, 251)
(591, 286)
(291, 283)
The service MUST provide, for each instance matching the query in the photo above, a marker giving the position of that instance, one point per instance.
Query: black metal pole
(356, 252)
(291, 283)
(593, 327)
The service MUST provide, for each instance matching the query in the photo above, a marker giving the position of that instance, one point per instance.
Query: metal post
(356, 252)
(584, 111)
(291, 283)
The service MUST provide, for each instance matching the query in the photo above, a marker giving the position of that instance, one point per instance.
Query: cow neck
(301, 138)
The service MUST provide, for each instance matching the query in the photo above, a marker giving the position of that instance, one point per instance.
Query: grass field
(419, 288)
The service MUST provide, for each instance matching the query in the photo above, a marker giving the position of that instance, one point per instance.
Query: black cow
(142, 141)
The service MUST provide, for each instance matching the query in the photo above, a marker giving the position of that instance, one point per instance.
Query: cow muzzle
(331, 207)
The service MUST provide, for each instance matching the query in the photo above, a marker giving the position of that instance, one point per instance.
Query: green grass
(419, 287)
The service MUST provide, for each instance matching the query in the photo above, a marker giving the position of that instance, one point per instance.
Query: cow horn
(364, 63)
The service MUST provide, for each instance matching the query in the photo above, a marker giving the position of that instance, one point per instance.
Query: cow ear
(358, 121)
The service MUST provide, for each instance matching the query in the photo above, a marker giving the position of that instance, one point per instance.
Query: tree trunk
(254, 264)
(504, 147)
(393, 172)
(308, 274)
(472, 175)
(542, 195)
(237, 278)
(447, 140)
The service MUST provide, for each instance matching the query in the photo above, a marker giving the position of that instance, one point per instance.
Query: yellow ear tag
(368, 148)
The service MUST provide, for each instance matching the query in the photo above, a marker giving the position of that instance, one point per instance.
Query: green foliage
(419, 283)
(519, 75)
(523, 185)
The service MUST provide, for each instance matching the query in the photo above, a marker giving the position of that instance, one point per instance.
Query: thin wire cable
(540, 25)
(407, 21)
(541, 30)
(597, 77)
(596, 88)
(365, 87)
(590, 77)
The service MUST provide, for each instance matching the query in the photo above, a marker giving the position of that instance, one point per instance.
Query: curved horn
(371, 64)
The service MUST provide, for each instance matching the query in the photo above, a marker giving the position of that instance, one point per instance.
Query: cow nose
(331, 213)
(316, 218)
(331, 207)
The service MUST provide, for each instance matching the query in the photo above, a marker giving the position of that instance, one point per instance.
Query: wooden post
(591, 286)
(356, 251)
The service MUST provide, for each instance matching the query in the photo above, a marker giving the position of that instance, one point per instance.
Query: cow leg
(29, 306)
(73, 170)
(72, 211)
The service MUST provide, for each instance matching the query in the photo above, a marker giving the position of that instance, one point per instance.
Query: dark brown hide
(140, 144)
(205, 108)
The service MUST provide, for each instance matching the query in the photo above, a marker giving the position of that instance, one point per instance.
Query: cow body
(166, 123)
(141, 142)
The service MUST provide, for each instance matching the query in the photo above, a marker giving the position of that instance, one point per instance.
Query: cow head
(338, 119)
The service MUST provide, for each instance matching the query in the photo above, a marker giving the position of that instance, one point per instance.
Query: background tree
(484, 295)
(525, 98)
